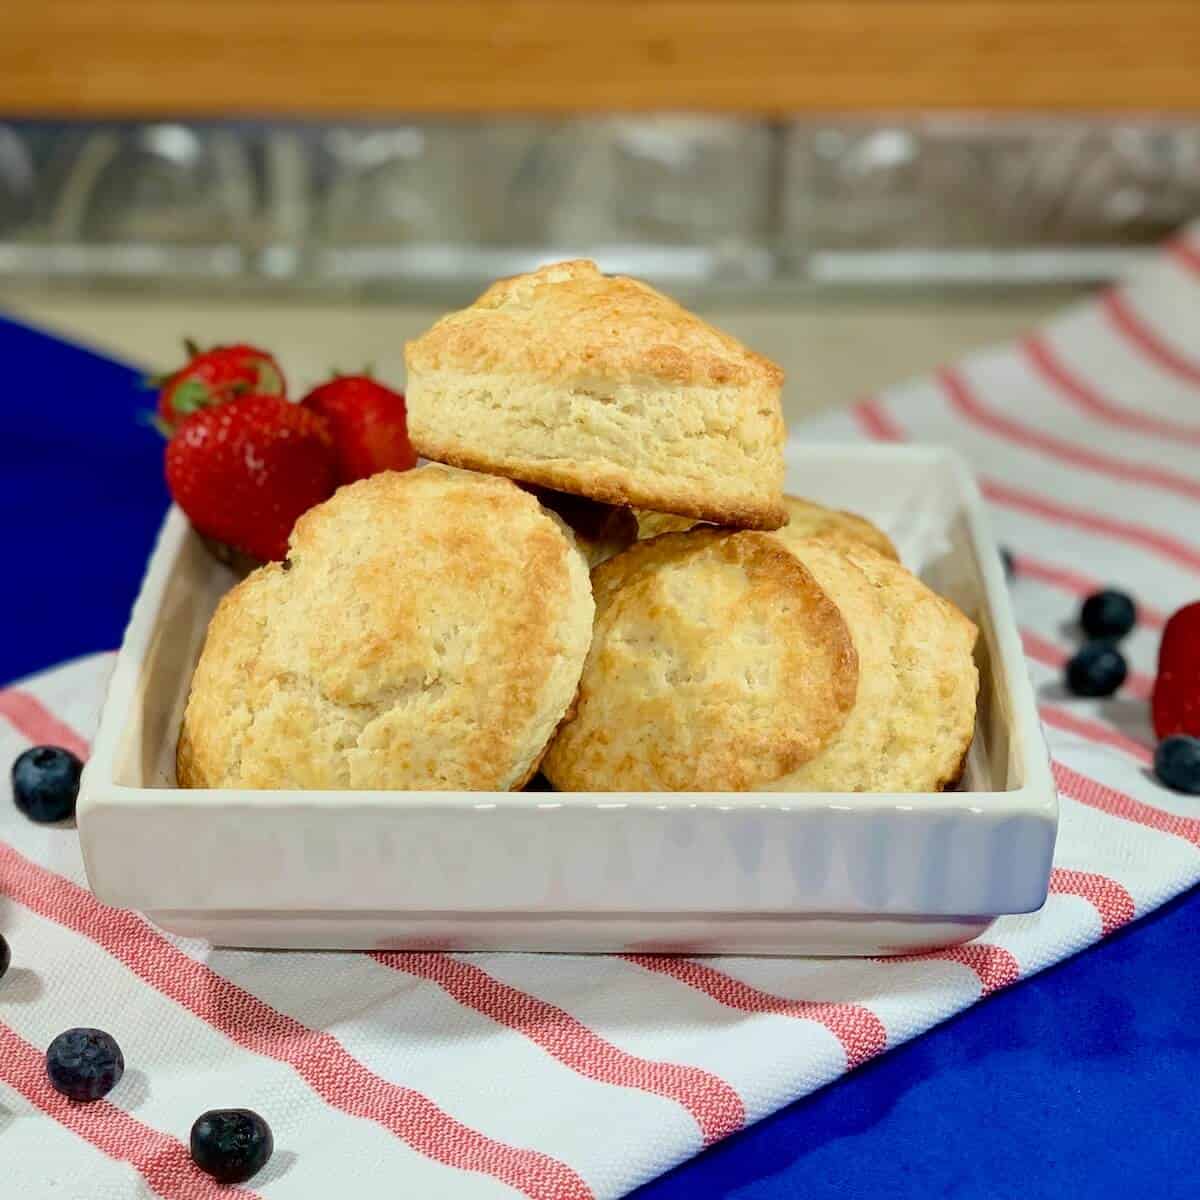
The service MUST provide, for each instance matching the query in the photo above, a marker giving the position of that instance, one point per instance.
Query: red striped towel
(487, 1075)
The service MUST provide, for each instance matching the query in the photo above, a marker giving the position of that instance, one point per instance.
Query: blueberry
(5, 956)
(45, 783)
(1177, 763)
(1097, 670)
(231, 1144)
(1108, 614)
(84, 1064)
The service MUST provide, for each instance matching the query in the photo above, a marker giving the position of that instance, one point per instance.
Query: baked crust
(717, 664)
(604, 387)
(856, 757)
(914, 718)
(427, 631)
(806, 520)
(569, 319)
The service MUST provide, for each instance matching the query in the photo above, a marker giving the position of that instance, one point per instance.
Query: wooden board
(323, 57)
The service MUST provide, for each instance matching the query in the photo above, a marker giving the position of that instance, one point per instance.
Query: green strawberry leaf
(190, 396)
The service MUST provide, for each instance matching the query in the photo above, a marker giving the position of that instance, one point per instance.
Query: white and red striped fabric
(442, 1075)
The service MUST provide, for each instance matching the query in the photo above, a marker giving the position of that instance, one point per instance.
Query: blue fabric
(1079, 1082)
(81, 498)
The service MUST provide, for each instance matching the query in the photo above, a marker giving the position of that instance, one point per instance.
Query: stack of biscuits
(597, 576)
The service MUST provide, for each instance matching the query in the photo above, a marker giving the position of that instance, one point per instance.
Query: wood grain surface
(323, 57)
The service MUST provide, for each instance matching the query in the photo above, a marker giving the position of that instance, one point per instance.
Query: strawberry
(1176, 699)
(369, 423)
(244, 470)
(212, 376)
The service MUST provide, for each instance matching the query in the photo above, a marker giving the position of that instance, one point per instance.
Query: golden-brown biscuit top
(569, 320)
(858, 758)
(427, 631)
(806, 520)
(933, 642)
(717, 664)
(914, 718)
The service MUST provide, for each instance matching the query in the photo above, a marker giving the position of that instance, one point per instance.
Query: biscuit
(806, 520)
(717, 664)
(601, 530)
(426, 631)
(857, 754)
(603, 387)
(914, 714)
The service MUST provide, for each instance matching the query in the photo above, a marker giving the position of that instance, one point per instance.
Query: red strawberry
(1176, 699)
(212, 376)
(369, 423)
(243, 471)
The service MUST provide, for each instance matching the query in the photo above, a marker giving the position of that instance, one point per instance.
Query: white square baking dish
(752, 873)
